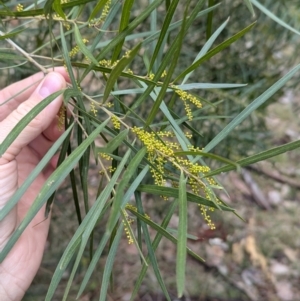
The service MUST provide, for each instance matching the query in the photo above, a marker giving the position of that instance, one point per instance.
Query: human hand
(21, 264)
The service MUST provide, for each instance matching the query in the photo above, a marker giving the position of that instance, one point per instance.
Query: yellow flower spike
(105, 10)
(164, 74)
(185, 96)
(105, 156)
(93, 109)
(66, 25)
(207, 218)
(151, 75)
(188, 135)
(129, 206)
(19, 7)
(76, 49)
(116, 122)
(147, 216)
(188, 110)
(127, 53)
(111, 169)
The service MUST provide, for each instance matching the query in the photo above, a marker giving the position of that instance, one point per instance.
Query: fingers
(51, 83)
(8, 165)
(43, 142)
(12, 96)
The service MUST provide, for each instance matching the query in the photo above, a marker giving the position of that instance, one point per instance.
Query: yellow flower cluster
(188, 110)
(187, 97)
(127, 232)
(159, 152)
(76, 49)
(19, 7)
(207, 217)
(67, 25)
(129, 206)
(188, 135)
(165, 134)
(152, 143)
(116, 122)
(105, 10)
(97, 21)
(107, 63)
(109, 169)
(195, 168)
(105, 156)
(194, 149)
(133, 208)
(151, 75)
(93, 109)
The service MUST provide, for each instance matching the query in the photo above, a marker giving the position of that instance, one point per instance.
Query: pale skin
(21, 264)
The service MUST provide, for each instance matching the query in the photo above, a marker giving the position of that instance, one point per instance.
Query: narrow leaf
(250, 7)
(126, 9)
(42, 164)
(208, 155)
(105, 238)
(109, 264)
(130, 171)
(117, 70)
(97, 8)
(151, 254)
(173, 192)
(215, 50)
(182, 236)
(155, 243)
(114, 143)
(86, 227)
(82, 47)
(207, 46)
(49, 187)
(258, 157)
(163, 232)
(10, 35)
(250, 108)
(177, 44)
(25, 121)
(164, 31)
(58, 9)
(274, 17)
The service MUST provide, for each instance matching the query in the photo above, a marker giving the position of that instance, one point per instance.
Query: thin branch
(29, 58)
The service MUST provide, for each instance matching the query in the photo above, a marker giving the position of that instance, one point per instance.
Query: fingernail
(50, 85)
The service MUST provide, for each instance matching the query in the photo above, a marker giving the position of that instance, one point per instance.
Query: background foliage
(130, 63)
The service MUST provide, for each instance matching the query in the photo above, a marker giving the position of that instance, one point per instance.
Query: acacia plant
(130, 109)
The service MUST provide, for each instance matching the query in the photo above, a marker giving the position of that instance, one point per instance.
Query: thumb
(51, 83)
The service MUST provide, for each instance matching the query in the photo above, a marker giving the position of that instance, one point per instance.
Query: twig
(256, 192)
(29, 58)
(276, 176)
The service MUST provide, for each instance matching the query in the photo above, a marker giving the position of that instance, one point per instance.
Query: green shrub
(138, 110)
